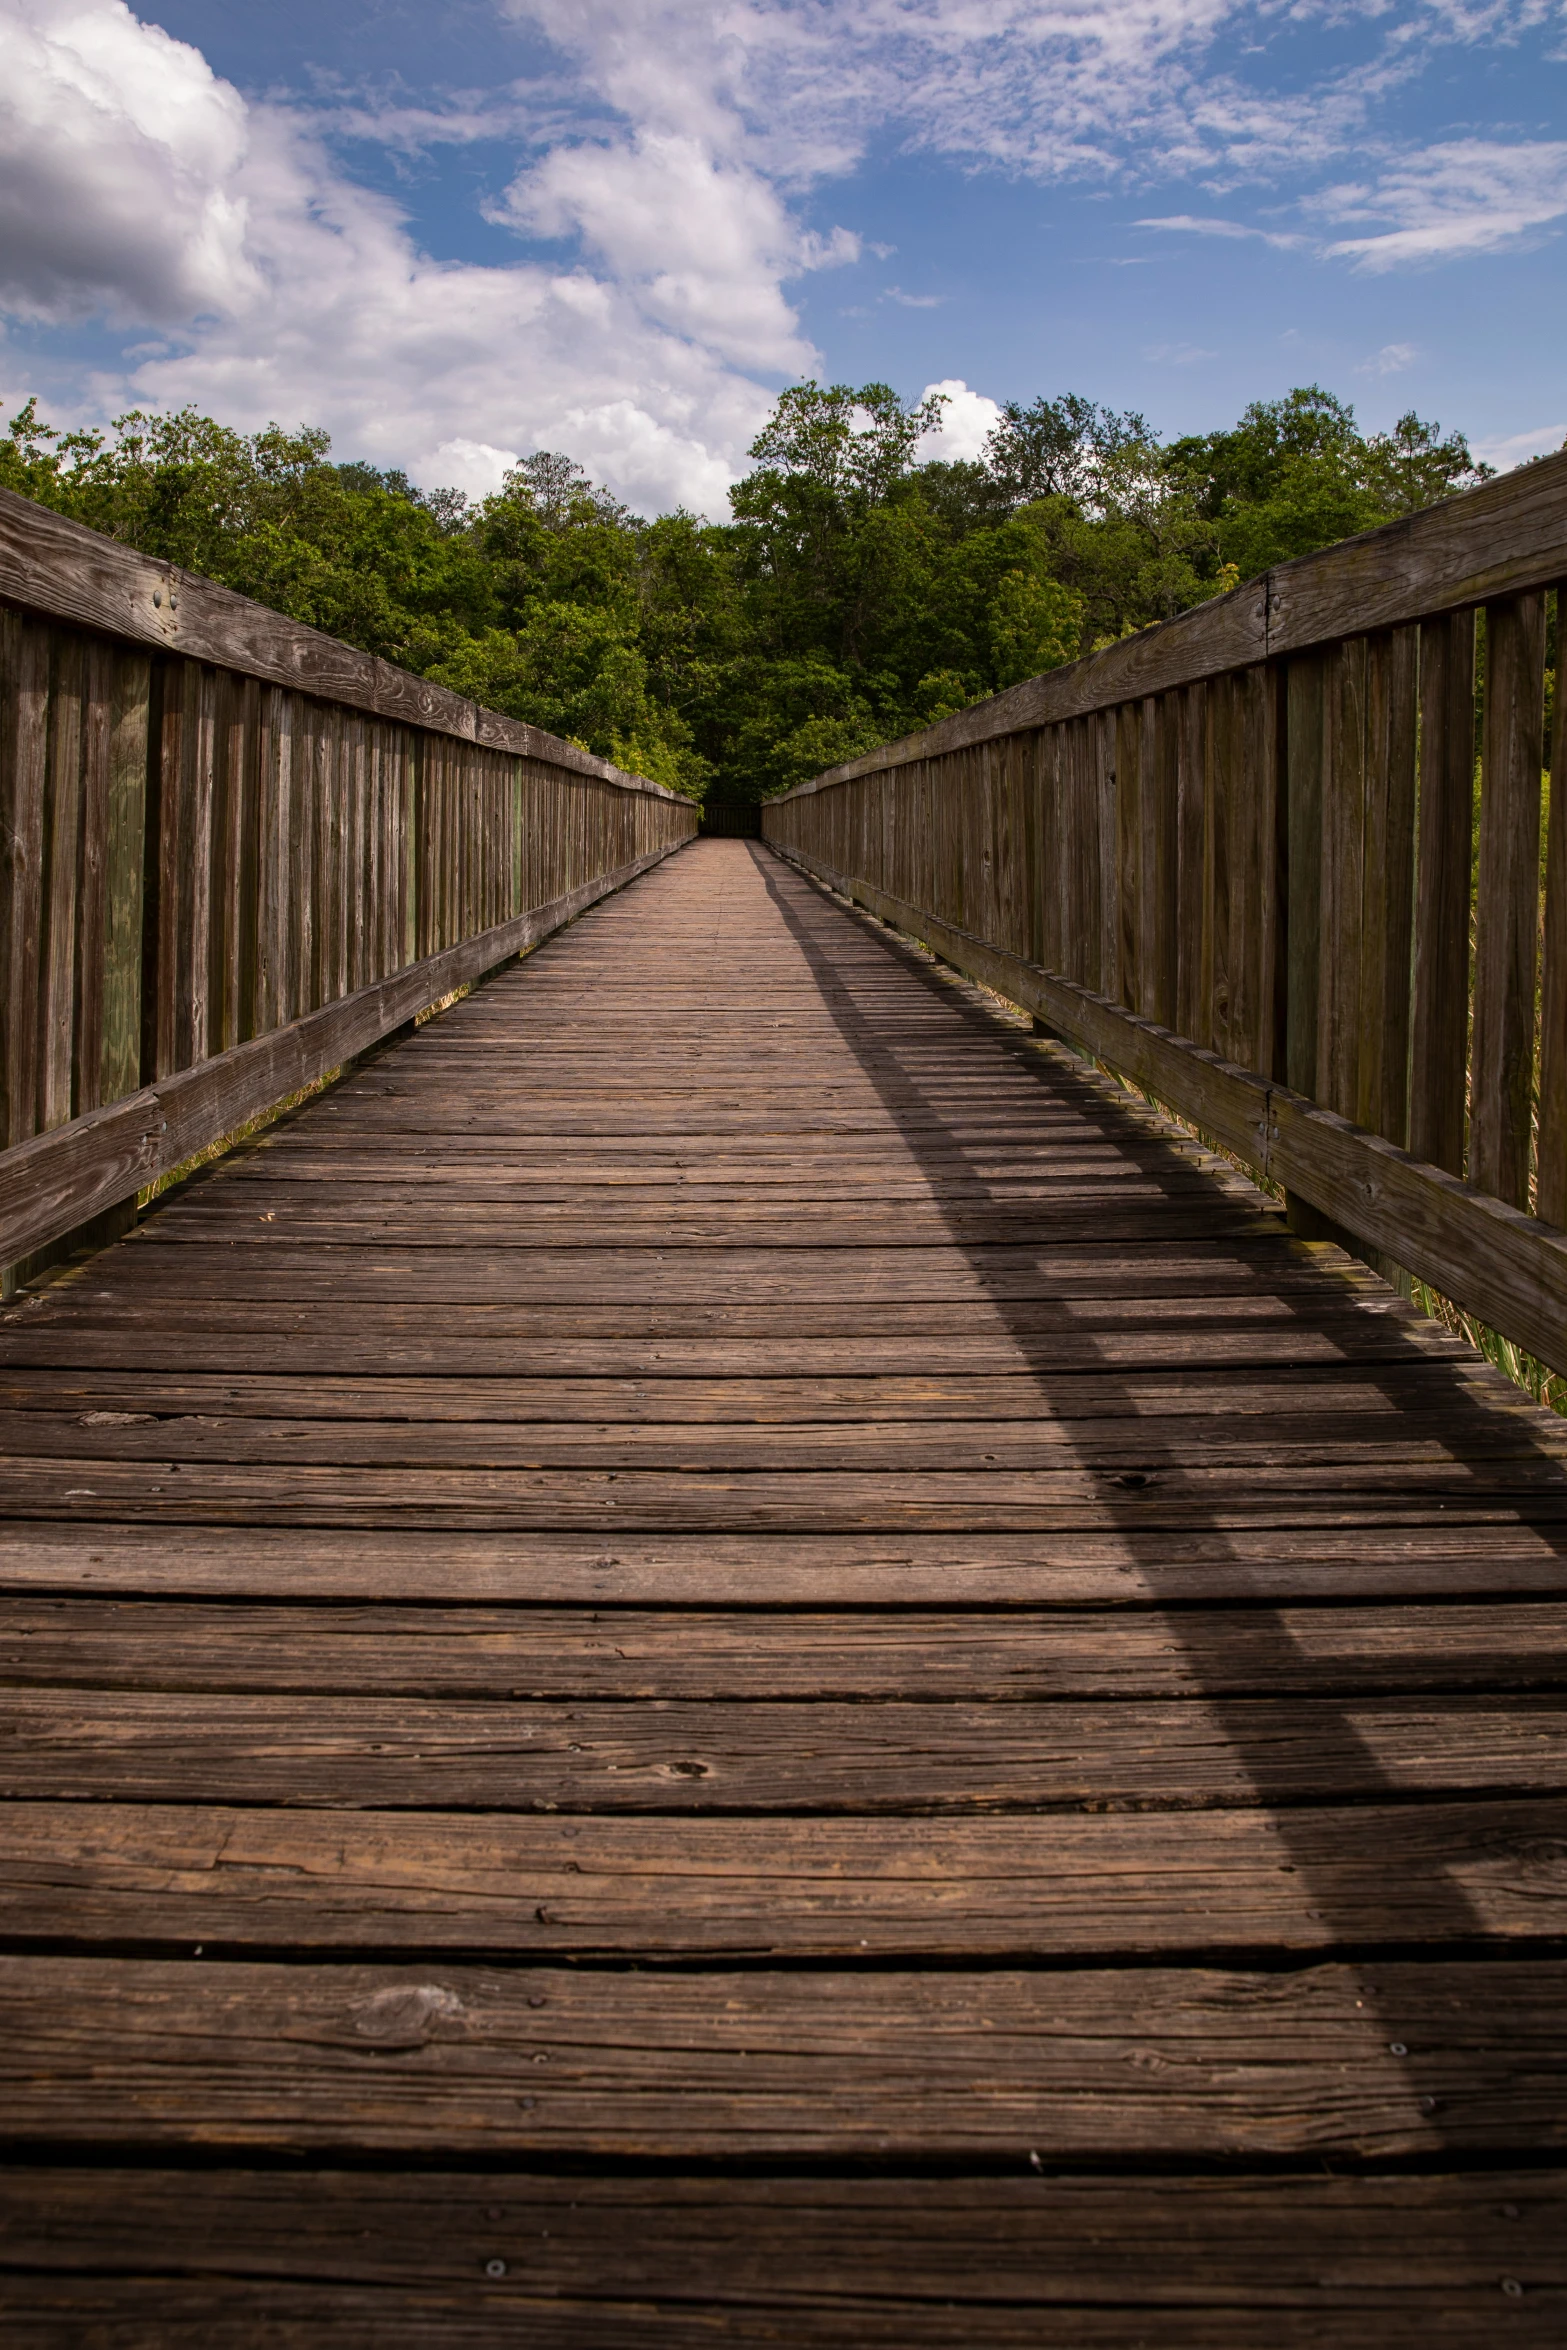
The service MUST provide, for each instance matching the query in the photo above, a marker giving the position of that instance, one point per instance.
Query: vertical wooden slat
(1251, 864)
(1106, 960)
(24, 714)
(1191, 859)
(1387, 883)
(228, 827)
(1162, 851)
(62, 880)
(1305, 740)
(1219, 765)
(1343, 846)
(183, 847)
(1126, 725)
(1439, 1018)
(125, 858)
(91, 916)
(1507, 902)
(1551, 1180)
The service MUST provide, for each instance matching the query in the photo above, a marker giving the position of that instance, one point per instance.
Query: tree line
(859, 591)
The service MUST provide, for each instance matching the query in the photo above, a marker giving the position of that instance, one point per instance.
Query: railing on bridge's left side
(1282, 861)
(233, 854)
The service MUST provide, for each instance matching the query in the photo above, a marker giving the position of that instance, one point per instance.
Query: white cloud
(1518, 447)
(121, 169)
(965, 420)
(1205, 225)
(706, 242)
(1464, 196)
(1392, 359)
(669, 162)
(135, 184)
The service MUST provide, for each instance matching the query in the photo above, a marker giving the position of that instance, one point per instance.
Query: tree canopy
(858, 591)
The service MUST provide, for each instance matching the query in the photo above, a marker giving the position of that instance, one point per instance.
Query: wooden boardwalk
(722, 1656)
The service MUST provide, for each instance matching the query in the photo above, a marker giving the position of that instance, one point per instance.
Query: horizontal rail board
(1486, 543)
(51, 564)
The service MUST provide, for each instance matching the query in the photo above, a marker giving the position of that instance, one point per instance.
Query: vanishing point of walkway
(722, 1655)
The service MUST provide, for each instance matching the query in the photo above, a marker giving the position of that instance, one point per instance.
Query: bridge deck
(722, 1655)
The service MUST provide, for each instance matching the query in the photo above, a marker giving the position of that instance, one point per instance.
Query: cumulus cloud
(122, 160)
(965, 420)
(662, 208)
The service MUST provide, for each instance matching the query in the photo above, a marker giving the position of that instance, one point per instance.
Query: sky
(457, 231)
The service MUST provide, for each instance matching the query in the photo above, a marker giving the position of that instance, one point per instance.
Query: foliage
(857, 593)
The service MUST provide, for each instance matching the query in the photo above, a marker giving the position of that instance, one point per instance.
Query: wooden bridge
(723, 1648)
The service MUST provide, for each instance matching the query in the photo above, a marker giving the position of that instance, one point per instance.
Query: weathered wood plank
(540, 1651)
(1064, 1886)
(1507, 900)
(153, 2053)
(53, 565)
(1047, 2259)
(693, 1756)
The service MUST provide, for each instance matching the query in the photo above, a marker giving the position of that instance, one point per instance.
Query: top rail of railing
(1284, 860)
(234, 853)
(1493, 541)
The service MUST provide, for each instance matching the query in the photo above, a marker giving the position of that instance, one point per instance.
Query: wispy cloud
(1518, 447)
(1392, 359)
(1208, 225)
(913, 301)
(1460, 197)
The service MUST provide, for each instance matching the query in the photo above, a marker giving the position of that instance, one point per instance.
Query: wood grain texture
(1204, 2063)
(1504, 1265)
(726, 1576)
(51, 565)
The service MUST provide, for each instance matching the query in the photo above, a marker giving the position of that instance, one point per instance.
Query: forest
(856, 593)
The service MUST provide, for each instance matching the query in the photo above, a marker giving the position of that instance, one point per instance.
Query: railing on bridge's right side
(233, 854)
(1282, 862)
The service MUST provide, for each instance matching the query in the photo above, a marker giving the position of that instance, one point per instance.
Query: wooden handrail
(1232, 858)
(234, 853)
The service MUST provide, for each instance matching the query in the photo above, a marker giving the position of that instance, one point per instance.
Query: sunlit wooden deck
(725, 1655)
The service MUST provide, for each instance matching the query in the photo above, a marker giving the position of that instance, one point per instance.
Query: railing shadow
(1259, 1649)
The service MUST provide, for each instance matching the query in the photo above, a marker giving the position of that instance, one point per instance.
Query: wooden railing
(1232, 858)
(235, 853)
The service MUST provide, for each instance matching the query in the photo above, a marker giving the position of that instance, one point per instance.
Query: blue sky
(458, 231)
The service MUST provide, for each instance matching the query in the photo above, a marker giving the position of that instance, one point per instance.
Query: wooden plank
(1337, 1085)
(59, 1180)
(1046, 1447)
(87, 1053)
(1388, 872)
(1501, 1264)
(1373, 2251)
(164, 2053)
(893, 1757)
(62, 883)
(1507, 901)
(1065, 1886)
(1115, 1567)
(23, 767)
(1551, 1156)
(1439, 1037)
(757, 1653)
